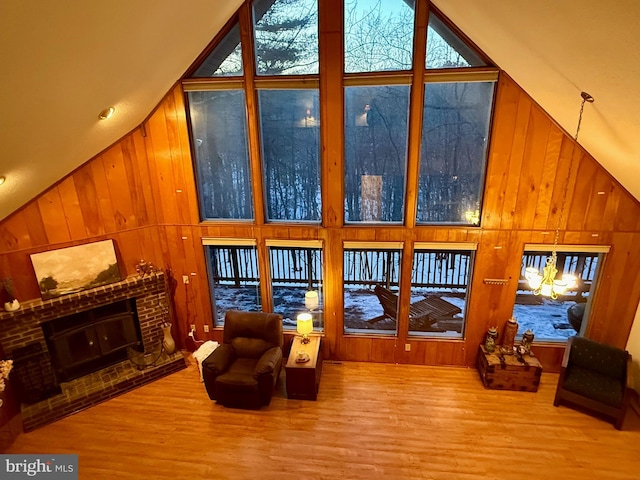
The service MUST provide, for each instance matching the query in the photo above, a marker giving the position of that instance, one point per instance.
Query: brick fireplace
(22, 335)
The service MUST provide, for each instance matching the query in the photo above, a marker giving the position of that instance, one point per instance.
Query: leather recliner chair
(243, 371)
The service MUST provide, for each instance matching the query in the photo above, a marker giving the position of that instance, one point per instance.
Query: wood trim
(349, 244)
(242, 242)
(287, 83)
(404, 293)
(266, 289)
(445, 245)
(275, 242)
(331, 52)
(416, 113)
(199, 85)
(377, 78)
(542, 247)
(255, 154)
(472, 74)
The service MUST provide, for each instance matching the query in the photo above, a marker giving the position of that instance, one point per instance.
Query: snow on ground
(546, 318)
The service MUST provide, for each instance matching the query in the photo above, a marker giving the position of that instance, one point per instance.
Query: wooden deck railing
(235, 265)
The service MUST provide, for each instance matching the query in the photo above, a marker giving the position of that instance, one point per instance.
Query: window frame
(395, 80)
(288, 83)
(254, 43)
(466, 75)
(600, 250)
(348, 245)
(213, 242)
(331, 98)
(471, 247)
(414, 27)
(219, 84)
(303, 244)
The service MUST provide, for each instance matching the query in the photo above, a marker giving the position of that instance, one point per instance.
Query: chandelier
(547, 284)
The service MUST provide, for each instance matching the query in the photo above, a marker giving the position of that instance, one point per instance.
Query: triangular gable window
(445, 49)
(225, 60)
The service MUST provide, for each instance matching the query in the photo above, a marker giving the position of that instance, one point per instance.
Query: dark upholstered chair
(575, 314)
(242, 372)
(596, 377)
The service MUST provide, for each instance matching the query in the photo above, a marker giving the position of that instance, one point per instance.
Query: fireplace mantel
(83, 300)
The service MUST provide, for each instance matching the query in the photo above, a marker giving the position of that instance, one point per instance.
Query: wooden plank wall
(141, 192)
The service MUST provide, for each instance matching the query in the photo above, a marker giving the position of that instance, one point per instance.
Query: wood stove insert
(88, 341)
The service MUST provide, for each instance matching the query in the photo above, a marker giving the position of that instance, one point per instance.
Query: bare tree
(378, 38)
(286, 36)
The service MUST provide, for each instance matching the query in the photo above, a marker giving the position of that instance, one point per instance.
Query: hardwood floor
(370, 421)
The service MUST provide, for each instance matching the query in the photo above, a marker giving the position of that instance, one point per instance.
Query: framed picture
(73, 269)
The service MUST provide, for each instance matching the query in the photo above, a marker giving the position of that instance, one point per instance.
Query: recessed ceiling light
(106, 113)
(2, 179)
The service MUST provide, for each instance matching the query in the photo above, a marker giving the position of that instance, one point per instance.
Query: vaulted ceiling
(63, 62)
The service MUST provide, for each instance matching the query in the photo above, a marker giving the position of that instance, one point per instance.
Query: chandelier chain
(585, 98)
(547, 284)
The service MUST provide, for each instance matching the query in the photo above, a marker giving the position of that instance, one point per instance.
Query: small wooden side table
(303, 379)
(506, 372)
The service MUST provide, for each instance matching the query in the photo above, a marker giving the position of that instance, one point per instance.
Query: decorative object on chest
(508, 372)
(525, 343)
(491, 339)
(510, 332)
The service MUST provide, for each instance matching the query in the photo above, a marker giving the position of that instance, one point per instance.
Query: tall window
(286, 36)
(375, 152)
(378, 35)
(378, 61)
(439, 287)
(233, 276)
(555, 320)
(371, 282)
(455, 133)
(255, 123)
(296, 280)
(289, 121)
(219, 137)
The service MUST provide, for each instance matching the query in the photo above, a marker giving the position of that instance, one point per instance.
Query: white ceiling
(64, 61)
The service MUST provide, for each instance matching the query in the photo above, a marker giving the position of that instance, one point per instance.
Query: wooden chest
(506, 372)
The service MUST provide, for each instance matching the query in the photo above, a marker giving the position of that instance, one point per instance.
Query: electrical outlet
(407, 347)
(206, 329)
(193, 327)
(185, 279)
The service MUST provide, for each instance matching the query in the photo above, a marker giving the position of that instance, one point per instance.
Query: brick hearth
(23, 327)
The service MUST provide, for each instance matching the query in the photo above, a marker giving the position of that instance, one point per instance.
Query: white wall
(633, 347)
